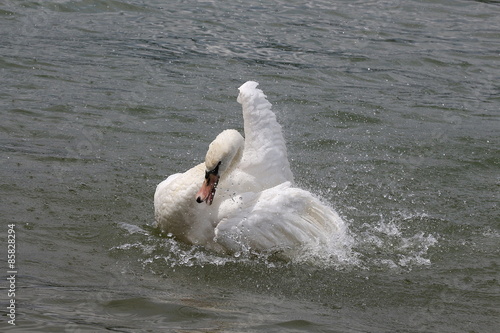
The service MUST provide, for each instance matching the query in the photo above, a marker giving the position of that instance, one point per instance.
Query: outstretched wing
(264, 156)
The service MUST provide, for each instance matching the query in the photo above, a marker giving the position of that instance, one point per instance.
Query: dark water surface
(390, 111)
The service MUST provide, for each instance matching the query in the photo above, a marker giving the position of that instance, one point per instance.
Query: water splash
(155, 249)
(388, 244)
(381, 245)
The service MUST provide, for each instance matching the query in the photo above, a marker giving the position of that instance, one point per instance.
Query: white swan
(247, 185)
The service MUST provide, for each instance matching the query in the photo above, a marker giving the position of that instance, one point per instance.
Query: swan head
(223, 155)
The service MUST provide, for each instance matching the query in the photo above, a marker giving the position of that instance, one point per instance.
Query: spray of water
(382, 245)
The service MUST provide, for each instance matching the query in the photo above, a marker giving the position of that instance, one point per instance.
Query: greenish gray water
(391, 114)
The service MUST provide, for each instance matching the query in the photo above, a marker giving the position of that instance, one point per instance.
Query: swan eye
(214, 171)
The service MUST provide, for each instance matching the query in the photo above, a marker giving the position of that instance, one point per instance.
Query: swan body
(248, 188)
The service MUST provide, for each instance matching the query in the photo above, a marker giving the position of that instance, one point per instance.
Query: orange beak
(207, 190)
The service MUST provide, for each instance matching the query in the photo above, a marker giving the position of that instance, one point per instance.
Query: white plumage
(255, 204)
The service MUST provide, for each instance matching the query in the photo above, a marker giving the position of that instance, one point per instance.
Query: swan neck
(233, 164)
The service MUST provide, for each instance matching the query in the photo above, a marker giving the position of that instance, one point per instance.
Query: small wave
(132, 229)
